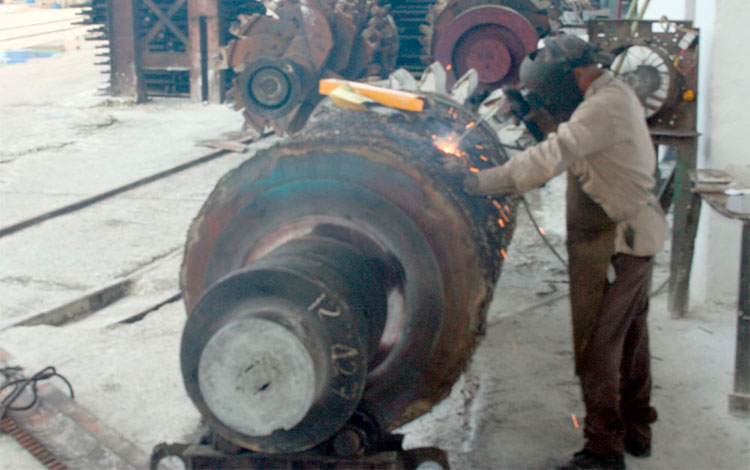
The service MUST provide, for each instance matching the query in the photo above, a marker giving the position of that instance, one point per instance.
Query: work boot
(637, 448)
(585, 459)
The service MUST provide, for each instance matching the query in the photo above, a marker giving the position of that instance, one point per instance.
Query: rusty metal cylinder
(341, 270)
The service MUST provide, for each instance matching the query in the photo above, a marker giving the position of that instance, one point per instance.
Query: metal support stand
(686, 213)
(389, 455)
(739, 400)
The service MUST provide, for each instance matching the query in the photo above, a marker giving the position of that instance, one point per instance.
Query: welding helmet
(548, 72)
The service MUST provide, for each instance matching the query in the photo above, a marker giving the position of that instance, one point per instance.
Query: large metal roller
(491, 37)
(341, 274)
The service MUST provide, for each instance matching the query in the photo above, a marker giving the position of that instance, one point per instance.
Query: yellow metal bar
(393, 98)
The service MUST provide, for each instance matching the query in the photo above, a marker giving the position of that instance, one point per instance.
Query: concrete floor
(514, 406)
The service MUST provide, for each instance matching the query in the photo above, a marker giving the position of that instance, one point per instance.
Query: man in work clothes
(615, 226)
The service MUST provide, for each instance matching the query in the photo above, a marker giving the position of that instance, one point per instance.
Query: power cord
(541, 232)
(18, 383)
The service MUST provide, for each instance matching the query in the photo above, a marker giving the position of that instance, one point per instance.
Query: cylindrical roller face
(257, 377)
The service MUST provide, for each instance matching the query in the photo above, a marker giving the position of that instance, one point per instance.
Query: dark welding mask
(548, 74)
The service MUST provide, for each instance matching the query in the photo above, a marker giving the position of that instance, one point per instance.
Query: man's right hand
(471, 184)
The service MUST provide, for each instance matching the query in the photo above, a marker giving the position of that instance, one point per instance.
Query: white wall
(672, 9)
(724, 122)
(724, 111)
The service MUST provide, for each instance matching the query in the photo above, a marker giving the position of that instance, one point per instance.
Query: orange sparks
(484, 159)
(448, 67)
(500, 222)
(480, 147)
(474, 170)
(450, 111)
(448, 144)
(541, 230)
(575, 420)
(502, 252)
(469, 125)
(497, 204)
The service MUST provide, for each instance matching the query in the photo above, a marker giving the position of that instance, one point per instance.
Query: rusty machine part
(490, 37)
(278, 59)
(342, 277)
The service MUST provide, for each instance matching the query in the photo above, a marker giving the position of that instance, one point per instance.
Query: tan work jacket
(607, 146)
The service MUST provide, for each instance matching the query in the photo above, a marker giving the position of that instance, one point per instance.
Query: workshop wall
(672, 9)
(724, 96)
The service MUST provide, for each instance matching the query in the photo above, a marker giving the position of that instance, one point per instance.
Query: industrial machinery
(487, 36)
(278, 57)
(337, 283)
(268, 55)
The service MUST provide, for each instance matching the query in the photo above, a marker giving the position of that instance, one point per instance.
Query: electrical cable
(541, 232)
(19, 383)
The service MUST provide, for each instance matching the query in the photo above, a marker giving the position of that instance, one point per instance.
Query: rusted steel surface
(374, 182)
(278, 59)
(67, 434)
(490, 37)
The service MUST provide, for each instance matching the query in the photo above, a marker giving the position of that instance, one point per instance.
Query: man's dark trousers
(615, 368)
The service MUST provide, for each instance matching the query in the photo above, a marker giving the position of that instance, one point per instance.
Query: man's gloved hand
(543, 121)
(495, 180)
(490, 181)
(471, 184)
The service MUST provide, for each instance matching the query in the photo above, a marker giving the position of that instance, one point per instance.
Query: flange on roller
(342, 270)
